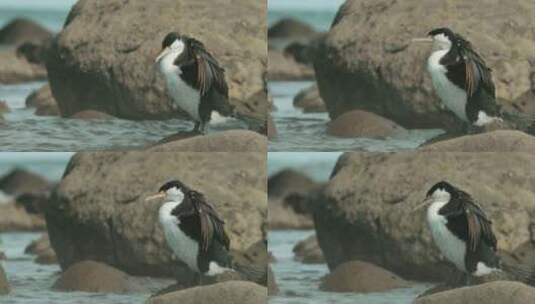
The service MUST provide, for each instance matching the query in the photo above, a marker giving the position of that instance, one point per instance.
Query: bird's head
(441, 191)
(442, 38)
(172, 191)
(173, 43)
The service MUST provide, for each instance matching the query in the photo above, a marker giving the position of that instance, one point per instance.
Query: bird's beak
(426, 39)
(163, 53)
(426, 202)
(155, 196)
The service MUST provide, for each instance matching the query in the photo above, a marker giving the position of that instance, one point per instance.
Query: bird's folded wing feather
(479, 226)
(478, 75)
(209, 74)
(212, 226)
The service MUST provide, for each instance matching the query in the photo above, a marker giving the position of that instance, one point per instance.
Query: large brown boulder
(357, 123)
(38, 246)
(490, 293)
(367, 61)
(365, 213)
(99, 212)
(496, 141)
(111, 45)
(227, 141)
(361, 277)
(4, 284)
(20, 181)
(288, 181)
(273, 288)
(23, 30)
(16, 69)
(232, 292)
(90, 276)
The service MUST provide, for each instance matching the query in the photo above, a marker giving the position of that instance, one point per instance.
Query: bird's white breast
(185, 97)
(451, 247)
(453, 97)
(185, 248)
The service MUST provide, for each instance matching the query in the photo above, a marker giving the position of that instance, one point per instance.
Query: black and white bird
(463, 233)
(461, 78)
(194, 78)
(196, 233)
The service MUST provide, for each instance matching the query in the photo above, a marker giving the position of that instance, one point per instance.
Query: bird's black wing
(480, 89)
(478, 225)
(210, 75)
(212, 226)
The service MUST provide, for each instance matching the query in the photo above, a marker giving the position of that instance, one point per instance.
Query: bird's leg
(196, 128)
(199, 279)
(202, 126)
(467, 279)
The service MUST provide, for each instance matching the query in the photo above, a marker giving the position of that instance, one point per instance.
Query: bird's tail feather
(254, 273)
(523, 272)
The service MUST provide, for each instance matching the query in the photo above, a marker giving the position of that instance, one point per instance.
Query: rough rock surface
(228, 141)
(20, 181)
(372, 221)
(4, 284)
(282, 217)
(375, 68)
(98, 210)
(288, 181)
(496, 141)
(357, 123)
(282, 67)
(38, 246)
(15, 69)
(15, 218)
(117, 56)
(231, 292)
(308, 251)
(490, 293)
(525, 253)
(309, 100)
(23, 30)
(47, 257)
(4, 108)
(362, 277)
(90, 276)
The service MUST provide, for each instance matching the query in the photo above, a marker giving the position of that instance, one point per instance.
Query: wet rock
(309, 100)
(273, 288)
(2, 256)
(4, 284)
(34, 53)
(288, 181)
(228, 141)
(90, 276)
(15, 69)
(372, 221)
(358, 123)
(361, 277)
(290, 28)
(47, 257)
(15, 218)
(496, 141)
(4, 108)
(223, 293)
(283, 67)
(377, 69)
(43, 101)
(282, 217)
(115, 224)
(308, 251)
(117, 56)
(90, 114)
(489, 293)
(20, 181)
(38, 246)
(22, 30)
